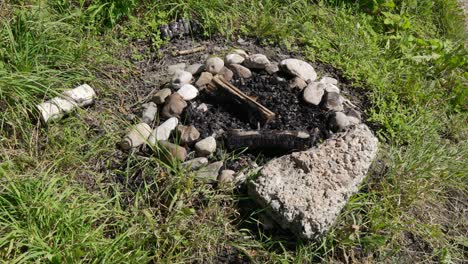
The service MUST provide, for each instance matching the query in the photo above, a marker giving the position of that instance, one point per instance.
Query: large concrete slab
(305, 191)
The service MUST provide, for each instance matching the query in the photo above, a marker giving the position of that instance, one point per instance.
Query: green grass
(59, 205)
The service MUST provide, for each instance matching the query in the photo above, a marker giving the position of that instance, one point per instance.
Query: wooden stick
(276, 140)
(189, 51)
(256, 111)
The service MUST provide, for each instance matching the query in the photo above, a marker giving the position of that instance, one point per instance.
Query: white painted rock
(206, 146)
(57, 107)
(82, 95)
(234, 59)
(214, 65)
(163, 132)
(299, 68)
(137, 136)
(188, 92)
(172, 69)
(180, 79)
(195, 68)
(257, 61)
(329, 80)
(313, 93)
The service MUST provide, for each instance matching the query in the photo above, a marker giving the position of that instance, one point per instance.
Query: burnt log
(268, 141)
(226, 93)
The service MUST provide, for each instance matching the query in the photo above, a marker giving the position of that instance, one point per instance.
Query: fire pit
(247, 103)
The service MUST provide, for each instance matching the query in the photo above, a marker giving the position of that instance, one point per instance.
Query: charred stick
(218, 87)
(256, 140)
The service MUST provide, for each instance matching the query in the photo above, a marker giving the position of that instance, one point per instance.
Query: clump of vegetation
(57, 204)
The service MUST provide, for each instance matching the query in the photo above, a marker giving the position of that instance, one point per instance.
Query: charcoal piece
(269, 141)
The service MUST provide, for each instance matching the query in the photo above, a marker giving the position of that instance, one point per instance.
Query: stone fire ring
(303, 191)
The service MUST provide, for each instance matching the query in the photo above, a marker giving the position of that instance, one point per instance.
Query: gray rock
(171, 70)
(333, 101)
(172, 151)
(149, 112)
(226, 177)
(195, 69)
(313, 93)
(256, 61)
(180, 79)
(206, 146)
(240, 71)
(305, 191)
(204, 79)
(163, 131)
(214, 65)
(210, 172)
(227, 74)
(188, 134)
(188, 92)
(299, 68)
(272, 68)
(174, 106)
(297, 83)
(160, 97)
(329, 80)
(234, 59)
(195, 163)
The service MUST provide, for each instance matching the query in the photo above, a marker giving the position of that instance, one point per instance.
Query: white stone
(234, 59)
(257, 61)
(299, 68)
(329, 80)
(188, 92)
(214, 65)
(206, 146)
(313, 93)
(331, 88)
(163, 131)
(180, 79)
